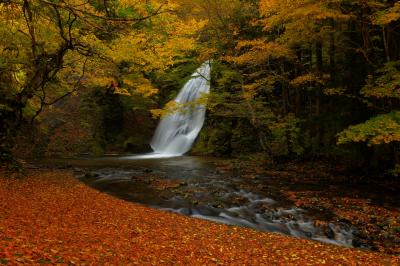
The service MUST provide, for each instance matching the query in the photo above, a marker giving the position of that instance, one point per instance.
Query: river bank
(368, 203)
(49, 217)
(311, 200)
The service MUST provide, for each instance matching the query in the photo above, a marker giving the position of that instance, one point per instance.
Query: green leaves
(385, 83)
(286, 136)
(5, 108)
(382, 129)
(395, 172)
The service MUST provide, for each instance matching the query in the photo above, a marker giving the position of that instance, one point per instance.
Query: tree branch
(43, 102)
(74, 89)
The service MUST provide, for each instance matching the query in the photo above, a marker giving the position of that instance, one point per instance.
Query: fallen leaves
(50, 218)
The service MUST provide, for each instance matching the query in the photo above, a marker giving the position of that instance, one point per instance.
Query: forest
(296, 86)
(297, 80)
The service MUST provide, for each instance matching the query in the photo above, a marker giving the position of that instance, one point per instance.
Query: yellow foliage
(145, 88)
(169, 108)
(174, 107)
(307, 79)
(156, 113)
(205, 53)
(122, 91)
(389, 15)
(259, 51)
(156, 50)
(250, 91)
(140, 85)
(299, 18)
(334, 91)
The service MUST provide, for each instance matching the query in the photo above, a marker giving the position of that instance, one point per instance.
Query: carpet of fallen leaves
(49, 217)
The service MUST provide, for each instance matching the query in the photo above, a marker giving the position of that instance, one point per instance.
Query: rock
(261, 177)
(185, 211)
(91, 175)
(359, 243)
(64, 167)
(207, 211)
(217, 205)
(78, 170)
(329, 232)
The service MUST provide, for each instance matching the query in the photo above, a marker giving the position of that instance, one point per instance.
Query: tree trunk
(385, 34)
(332, 54)
(318, 51)
(262, 138)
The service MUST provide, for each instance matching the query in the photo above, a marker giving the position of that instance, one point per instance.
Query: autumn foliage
(51, 218)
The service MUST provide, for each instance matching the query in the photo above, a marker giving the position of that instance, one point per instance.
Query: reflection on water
(192, 186)
(152, 155)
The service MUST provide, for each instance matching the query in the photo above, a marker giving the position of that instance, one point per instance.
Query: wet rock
(329, 232)
(261, 177)
(238, 200)
(207, 211)
(78, 171)
(309, 234)
(262, 207)
(183, 184)
(185, 211)
(217, 205)
(232, 214)
(358, 243)
(65, 167)
(91, 175)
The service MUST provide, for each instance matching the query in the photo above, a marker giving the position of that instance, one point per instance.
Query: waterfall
(178, 130)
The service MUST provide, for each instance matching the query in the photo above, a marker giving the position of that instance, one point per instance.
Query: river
(195, 187)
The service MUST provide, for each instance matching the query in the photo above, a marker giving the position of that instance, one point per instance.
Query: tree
(51, 49)
(312, 67)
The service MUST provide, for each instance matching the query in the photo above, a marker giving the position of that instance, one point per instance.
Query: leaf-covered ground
(49, 217)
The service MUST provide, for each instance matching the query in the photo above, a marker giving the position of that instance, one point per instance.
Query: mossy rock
(136, 145)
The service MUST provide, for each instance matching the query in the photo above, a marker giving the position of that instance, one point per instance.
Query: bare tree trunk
(298, 102)
(298, 95)
(332, 53)
(285, 92)
(385, 34)
(318, 51)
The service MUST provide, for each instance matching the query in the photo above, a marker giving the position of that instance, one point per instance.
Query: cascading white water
(177, 131)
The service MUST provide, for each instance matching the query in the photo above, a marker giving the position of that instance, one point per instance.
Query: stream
(195, 187)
